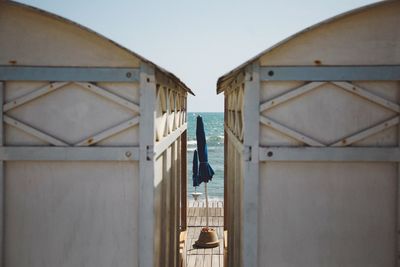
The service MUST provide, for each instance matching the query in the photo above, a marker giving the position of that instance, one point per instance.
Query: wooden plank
(208, 251)
(357, 90)
(235, 141)
(191, 260)
(330, 154)
(51, 153)
(397, 245)
(330, 73)
(194, 231)
(225, 157)
(166, 141)
(289, 132)
(251, 126)
(192, 221)
(197, 209)
(212, 212)
(146, 166)
(71, 74)
(367, 132)
(110, 96)
(290, 95)
(190, 212)
(199, 260)
(215, 261)
(190, 250)
(215, 251)
(34, 132)
(207, 260)
(109, 132)
(33, 95)
(2, 184)
(183, 171)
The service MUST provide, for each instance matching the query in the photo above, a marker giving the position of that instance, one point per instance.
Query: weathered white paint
(61, 153)
(367, 37)
(251, 125)
(67, 205)
(71, 214)
(330, 154)
(48, 35)
(147, 139)
(327, 214)
(33, 95)
(326, 189)
(104, 93)
(331, 120)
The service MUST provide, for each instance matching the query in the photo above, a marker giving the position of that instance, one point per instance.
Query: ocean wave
(191, 142)
(216, 138)
(211, 141)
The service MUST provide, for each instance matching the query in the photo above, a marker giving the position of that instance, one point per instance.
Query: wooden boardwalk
(212, 257)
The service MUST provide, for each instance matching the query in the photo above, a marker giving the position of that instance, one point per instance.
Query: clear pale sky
(198, 40)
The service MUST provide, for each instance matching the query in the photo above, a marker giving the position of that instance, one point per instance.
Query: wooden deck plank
(207, 261)
(199, 261)
(211, 257)
(215, 261)
(191, 260)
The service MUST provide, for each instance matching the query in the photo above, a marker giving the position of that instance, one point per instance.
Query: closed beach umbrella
(208, 237)
(195, 169)
(205, 171)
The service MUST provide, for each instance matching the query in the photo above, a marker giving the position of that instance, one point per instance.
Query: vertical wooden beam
(251, 126)
(2, 182)
(397, 239)
(146, 165)
(166, 219)
(225, 162)
(176, 204)
(184, 180)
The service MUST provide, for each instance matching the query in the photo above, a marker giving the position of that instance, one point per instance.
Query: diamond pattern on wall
(317, 113)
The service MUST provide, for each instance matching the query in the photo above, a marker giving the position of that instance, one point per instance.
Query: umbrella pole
(205, 186)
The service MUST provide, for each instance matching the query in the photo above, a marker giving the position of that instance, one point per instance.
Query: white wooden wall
(334, 212)
(91, 172)
(171, 125)
(59, 213)
(234, 169)
(311, 211)
(325, 189)
(328, 213)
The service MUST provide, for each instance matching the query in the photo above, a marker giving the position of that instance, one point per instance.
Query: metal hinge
(149, 152)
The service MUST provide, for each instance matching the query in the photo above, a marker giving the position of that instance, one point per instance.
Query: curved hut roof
(39, 38)
(368, 35)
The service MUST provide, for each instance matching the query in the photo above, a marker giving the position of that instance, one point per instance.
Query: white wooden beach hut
(93, 148)
(312, 146)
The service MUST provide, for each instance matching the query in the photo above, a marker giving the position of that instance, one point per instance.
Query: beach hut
(312, 146)
(93, 148)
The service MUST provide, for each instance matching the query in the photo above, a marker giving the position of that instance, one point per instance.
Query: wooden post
(2, 180)
(251, 124)
(397, 239)
(184, 181)
(225, 163)
(146, 165)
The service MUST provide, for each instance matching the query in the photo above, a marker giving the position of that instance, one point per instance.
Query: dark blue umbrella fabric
(195, 169)
(205, 171)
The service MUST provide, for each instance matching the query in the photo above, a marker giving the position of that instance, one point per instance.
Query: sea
(214, 128)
